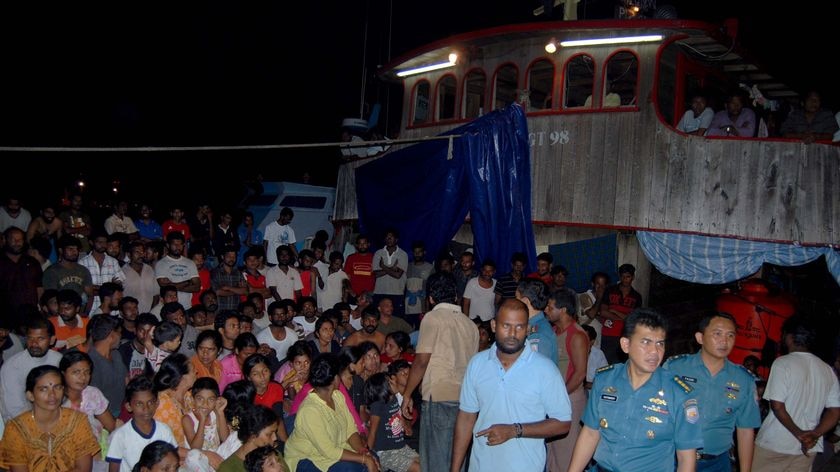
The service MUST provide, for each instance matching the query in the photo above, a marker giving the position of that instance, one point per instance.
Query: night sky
(229, 73)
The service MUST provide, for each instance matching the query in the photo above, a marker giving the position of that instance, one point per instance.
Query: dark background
(231, 73)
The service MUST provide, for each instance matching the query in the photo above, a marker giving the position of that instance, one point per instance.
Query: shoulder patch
(686, 387)
(678, 356)
(604, 369)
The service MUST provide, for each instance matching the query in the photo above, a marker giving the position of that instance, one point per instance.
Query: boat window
(580, 79)
(446, 98)
(507, 81)
(475, 86)
(540, 82)
(304, 201)
(421, 102)
(622, 77)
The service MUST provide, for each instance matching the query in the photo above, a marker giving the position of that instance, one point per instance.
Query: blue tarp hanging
(710, 260)
(425, 195)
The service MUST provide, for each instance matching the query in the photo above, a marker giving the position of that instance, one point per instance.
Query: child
(165, 340)
(264, 459)
(128, 441)
(386, 435)
(158, 455)
(205, 426)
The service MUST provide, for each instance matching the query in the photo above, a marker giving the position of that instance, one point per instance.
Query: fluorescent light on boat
(620, 40)
(419, 70)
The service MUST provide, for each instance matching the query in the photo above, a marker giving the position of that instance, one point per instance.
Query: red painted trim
(540, 28)
(492, 104)
(435, 111)
(463, 101)
(674, 231)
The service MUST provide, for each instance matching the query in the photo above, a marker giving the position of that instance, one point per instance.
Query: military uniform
(727, 401)
(642, 429)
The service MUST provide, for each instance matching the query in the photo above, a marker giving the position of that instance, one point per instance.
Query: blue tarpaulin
(584, 258)
(425, 195)
(711, 260)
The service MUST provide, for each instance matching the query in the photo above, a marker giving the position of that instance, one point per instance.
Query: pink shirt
(231, 372)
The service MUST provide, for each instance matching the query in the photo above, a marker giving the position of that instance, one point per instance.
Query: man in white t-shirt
(279, 233)
(697, 119)
(804, 398)
(479, 295)
(283, 280)
(174, 269)
(278, 336)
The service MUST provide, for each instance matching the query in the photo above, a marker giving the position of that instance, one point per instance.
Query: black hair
(441, 286)
(38, 372)
(252, 362)
(38, 321)
(317, 244)
(335, 255)
(377, 389)
(559, 269)
(245, 340)
(590, 331)
(535, 291)
(518, 257)
(101, 326)
(174, 235)
(398, 365)
(171, 371)
(153, 453)
(255, 459)
(256, 251)
(600, 274)
(42, 245)
(205, 383)
(166, 331)
(240, 395)
(323, 371)
(286, 211)
(707, 319)
(68, 241)
(170, 308)
(489, 263)
(321, 320)
(164, 289)
(645, 317)
(125, 300)
(306, 253)
(69, 296)
(565, 299)
(146, 319)
(401, 339)
(803, 332)
(364, 348)
(223, 317)
(342, 306)
(307, 299)
(108, 289)
(141, 383)
(71, 357)
(47, 295)
(253, 420)
(299, 348)
(212, 335)
(546, 256)
(418, 244)
(627, 269)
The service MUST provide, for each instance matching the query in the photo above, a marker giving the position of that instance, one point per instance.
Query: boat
(601, 100)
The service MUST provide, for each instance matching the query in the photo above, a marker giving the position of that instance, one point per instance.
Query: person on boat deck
(697, 119)
(811, 122)
(735, 120)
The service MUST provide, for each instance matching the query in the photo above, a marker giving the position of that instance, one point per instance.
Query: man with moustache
(369, 332)
(20, 276)
(174, 269)
(68, 273)
(726, 393)
(279, 335)
(509, 414)
(638, 414)
(40, 335)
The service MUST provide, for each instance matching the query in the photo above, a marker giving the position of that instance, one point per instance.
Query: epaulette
(678, 356)
(604, 369)
(688, 388)
(749, 372)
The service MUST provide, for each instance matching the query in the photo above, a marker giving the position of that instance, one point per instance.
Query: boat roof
(704, 40)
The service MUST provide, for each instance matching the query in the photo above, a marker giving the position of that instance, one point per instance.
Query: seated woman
(325, 437)
(397, 345)
(257, 428)
(243, 346)
(735, 120)
(49, 438)
(811, 122)
(208, 345)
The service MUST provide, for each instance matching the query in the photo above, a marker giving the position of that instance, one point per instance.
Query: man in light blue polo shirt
(725, 393)
(512, 399)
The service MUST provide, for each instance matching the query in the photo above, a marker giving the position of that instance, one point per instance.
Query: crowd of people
(137, 346)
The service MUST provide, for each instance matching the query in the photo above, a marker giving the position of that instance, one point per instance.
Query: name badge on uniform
(689, 379)
(609, 398)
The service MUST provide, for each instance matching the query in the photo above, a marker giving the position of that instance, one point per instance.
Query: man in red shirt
(619, 300)
(359, 267)
(544, 263)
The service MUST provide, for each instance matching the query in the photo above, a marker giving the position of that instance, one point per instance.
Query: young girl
(386, 435)
(264, 459)
(76, 368)
(269, 393)
(205, 426)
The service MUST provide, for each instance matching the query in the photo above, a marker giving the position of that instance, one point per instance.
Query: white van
(313, 207)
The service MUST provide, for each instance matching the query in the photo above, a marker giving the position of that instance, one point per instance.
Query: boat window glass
(622, 77)
(475, 86)
(446, 98)
(507, 81)
(580, 79)
(540, 83)
(421, 102)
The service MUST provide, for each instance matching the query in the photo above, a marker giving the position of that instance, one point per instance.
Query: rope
(341, 144)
